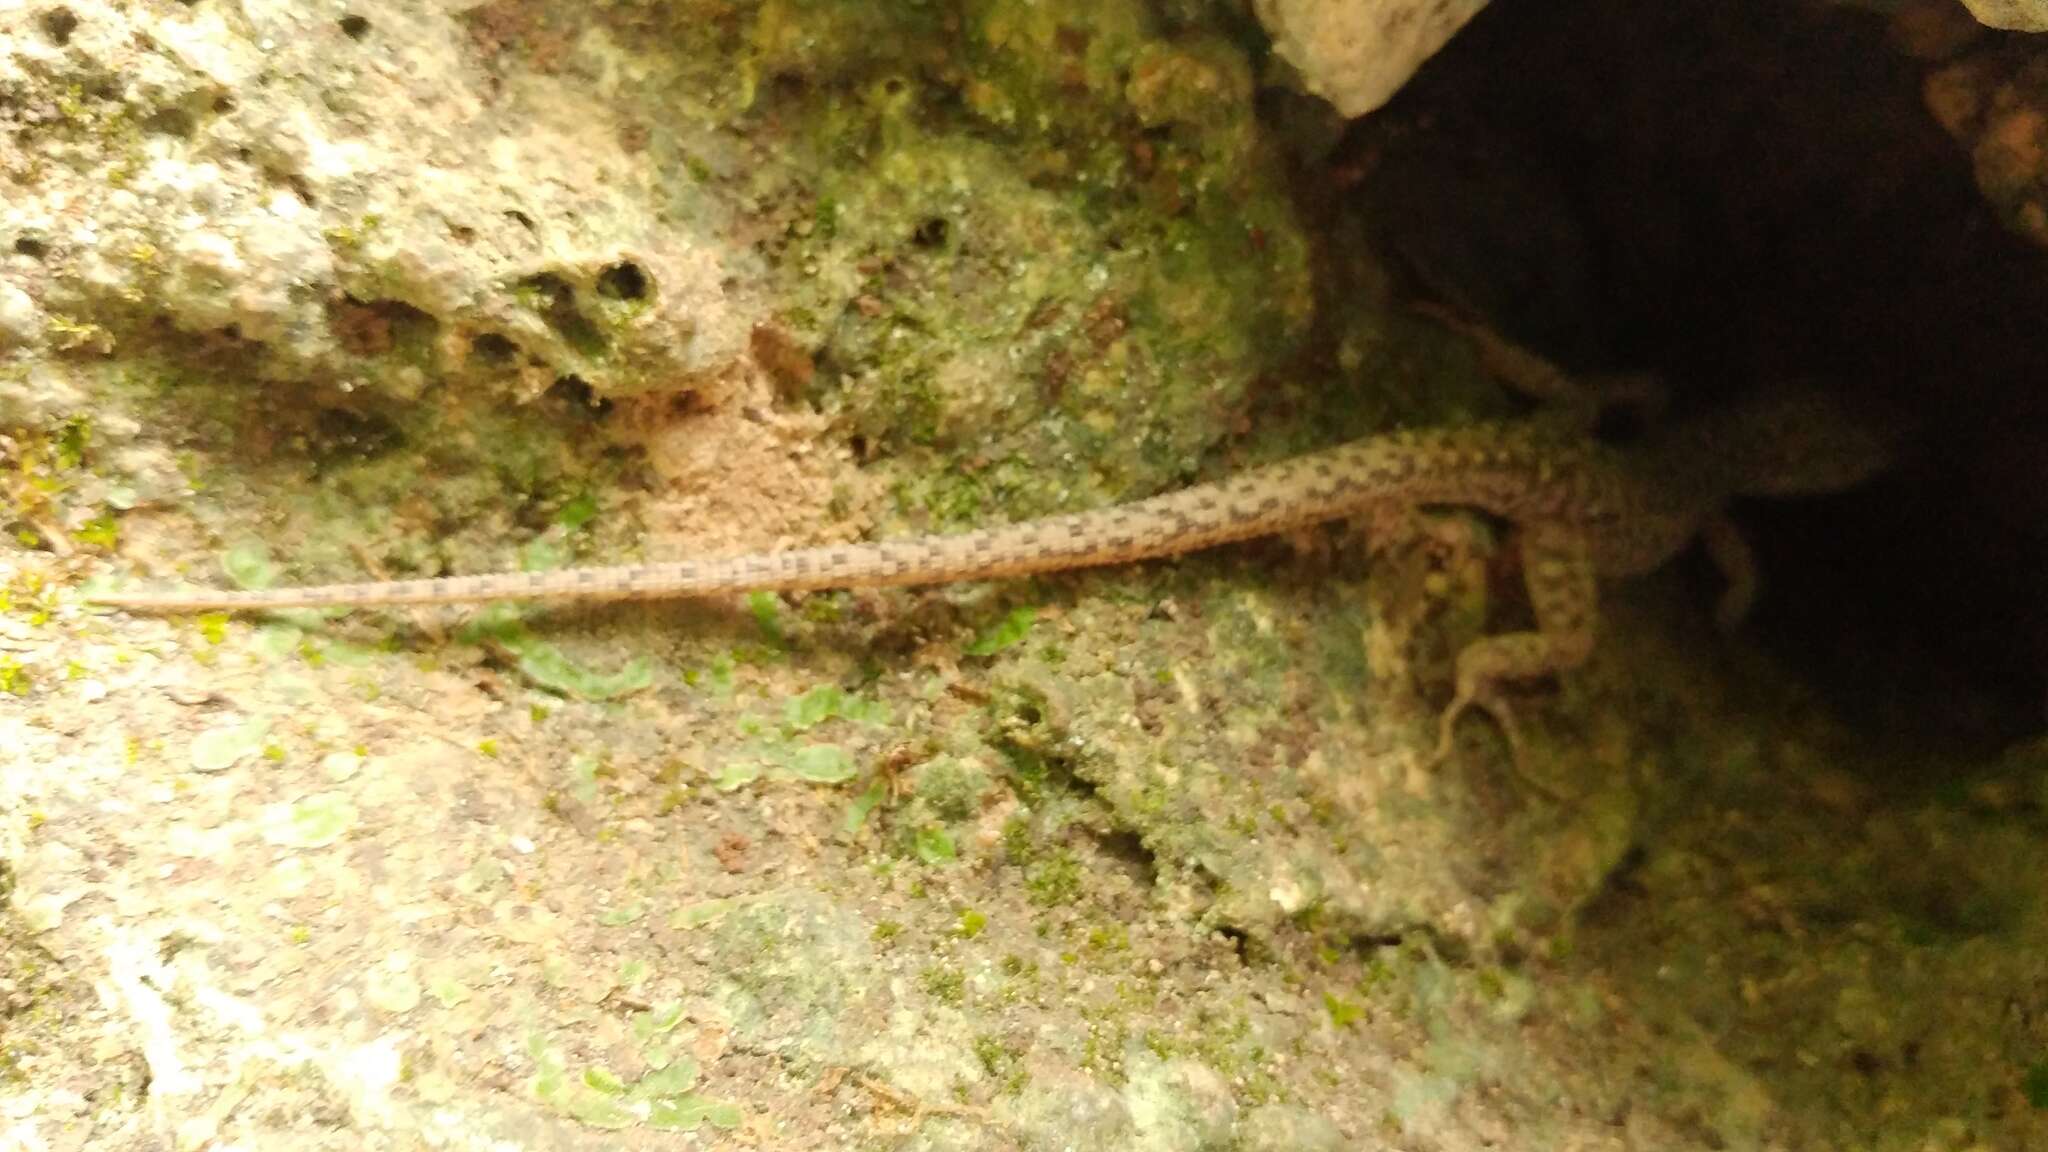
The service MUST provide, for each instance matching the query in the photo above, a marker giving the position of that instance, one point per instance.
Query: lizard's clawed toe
(1494, 704)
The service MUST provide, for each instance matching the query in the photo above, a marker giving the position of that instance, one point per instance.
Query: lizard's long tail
(1415, 467)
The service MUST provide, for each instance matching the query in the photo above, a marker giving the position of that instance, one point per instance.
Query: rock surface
(2015, 15)
(1357, 53)
(343, 197)
(1142, 858)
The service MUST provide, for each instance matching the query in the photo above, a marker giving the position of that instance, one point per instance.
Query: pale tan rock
(1357, 53)
(2013, 15)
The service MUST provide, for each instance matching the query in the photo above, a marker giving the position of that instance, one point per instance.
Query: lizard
(1587, 510)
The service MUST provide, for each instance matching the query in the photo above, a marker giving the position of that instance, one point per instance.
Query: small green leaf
(814, 707)
(218, 749)
(823, 764)
(736, 775)
(934, 845)
(102, 532)
(675, 1080)
(971, 924)
(603, 1080)
(2035, 1084)
(1004, 633)
(577, 512)
(499, 622)
(350, 655)
(862, 710)
(545, 665)
(274, 640)
(619, 915)
(582, 774)
(866, 802)
(248, 565)
(448, 993)
(1343, 1013)
(314, 822)
(544, 553)
(828, 702)
(71, 441)
(767, 611)
(716, 679)
(699, 914)
(685, 1114)
(657, 1021)
(537, 1050)
(600, 1111)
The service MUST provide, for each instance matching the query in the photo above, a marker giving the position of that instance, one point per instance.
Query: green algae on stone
(1089, 264)
(950, 787)
(790, 966)
(1005, 633)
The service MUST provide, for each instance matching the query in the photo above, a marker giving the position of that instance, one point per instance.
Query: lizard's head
(1797, 441)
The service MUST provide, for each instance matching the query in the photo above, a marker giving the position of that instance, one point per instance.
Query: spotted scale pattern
(1588, 510)
(1634, 508)
(1480, 466)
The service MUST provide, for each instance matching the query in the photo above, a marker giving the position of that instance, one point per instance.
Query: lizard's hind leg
(1557, 565)
(1579, 400)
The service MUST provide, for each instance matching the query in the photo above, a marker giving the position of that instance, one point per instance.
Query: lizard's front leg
(1557, 565)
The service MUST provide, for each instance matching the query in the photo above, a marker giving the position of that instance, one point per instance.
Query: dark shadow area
(1746, 194)
(1732, 194)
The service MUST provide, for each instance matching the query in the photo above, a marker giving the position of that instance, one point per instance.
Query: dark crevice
(340, 432)
(354, 27)
(578, 395)
(623, 281)
(1732, 198)
(58, 24)
(555, 299)
(1128, 849)
(171, 121)
(494, 350)
(1240, 942)
(1043, 779)
(384, 327)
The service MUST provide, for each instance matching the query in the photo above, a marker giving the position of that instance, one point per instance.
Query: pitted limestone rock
(347, 216)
